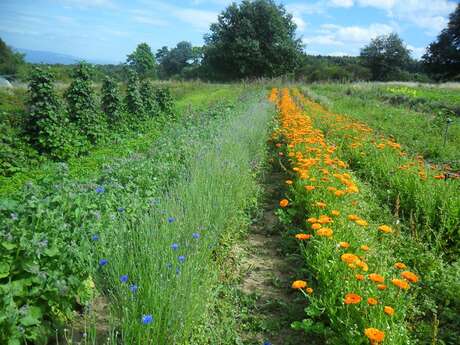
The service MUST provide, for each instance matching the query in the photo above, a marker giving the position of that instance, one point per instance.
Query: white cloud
(341, 3)
(91, 3)
(200, 19)
(149, 20)
(416, 52)
(327, 40)
(301, 25)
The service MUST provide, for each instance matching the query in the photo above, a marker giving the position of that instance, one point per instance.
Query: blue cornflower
(146, 319)
(103, 262)
(196, 235)
(175, 246)
(133, 288)
(177, 270)
(266, 342)
(124, 278)
(181, 258)
(121, 209)
(95, 237)
(171, 219)
(100, 189)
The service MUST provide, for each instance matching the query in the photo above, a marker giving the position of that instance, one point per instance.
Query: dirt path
(267, 272)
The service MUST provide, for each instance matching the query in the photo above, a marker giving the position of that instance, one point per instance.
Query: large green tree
(9, 60)
(442, 59)
(386, 56)
(183, 56)
(253, 39)
(143, 61)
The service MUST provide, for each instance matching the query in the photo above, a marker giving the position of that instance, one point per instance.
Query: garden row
(61, 130)
(360, 288)
(57, 233)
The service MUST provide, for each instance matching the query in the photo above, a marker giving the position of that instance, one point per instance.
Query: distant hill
(37, 56)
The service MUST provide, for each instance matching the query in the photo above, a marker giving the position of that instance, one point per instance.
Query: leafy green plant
(149, 100)
(133, 98)
(111, 101)
(81, 104)
(164, 100)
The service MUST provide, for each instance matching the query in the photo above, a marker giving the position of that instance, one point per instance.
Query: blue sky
(111, 29)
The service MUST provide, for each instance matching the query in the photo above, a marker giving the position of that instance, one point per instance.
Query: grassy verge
(173, 264)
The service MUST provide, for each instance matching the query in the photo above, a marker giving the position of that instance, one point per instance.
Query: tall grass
(169, 252)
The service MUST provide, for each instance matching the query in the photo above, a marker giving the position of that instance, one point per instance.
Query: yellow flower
(299, 284)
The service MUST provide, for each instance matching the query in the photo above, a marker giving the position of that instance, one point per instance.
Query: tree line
(255, 39)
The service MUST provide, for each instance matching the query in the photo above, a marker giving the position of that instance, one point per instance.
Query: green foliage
(149, 102)
(10, 61)
(142, 61)
(385, 56)
(252, 39)
(442, 59)
(133, 98)
(111, 101)
(49, 127)
(81, 104)
(183, 57)
(164, 100)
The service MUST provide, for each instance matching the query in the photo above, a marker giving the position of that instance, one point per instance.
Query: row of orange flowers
(320, 174)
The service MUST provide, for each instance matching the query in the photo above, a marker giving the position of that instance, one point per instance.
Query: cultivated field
(256, 213)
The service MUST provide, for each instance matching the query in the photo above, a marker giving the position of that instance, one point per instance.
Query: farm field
(251, 214)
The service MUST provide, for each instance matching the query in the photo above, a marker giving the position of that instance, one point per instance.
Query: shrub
(149, 101)
(164, 99)
(48, 125)
(133, 96)
(81, 104)
(111, 101)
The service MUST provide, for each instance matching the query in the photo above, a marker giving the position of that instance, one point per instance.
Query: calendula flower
(312, 220)
(353, 217)
(361, 222)
(400, 266)
(299, 284)
(352, 298)
(385, 229)
(310, 188)
(388, 310)
(320, 204)
(359, 277)
(372, 301)
(316, 226)
(303, 237)
(323, 219)
(409, 276)
(375, 335)
(284, 202)
(289, 182)
(402, 284)
(325, 232)
(381, 286)
(335, 213)
(364, 247)
(349, 258)
(309, 291)
(361, 264)
(344, 245)
(376, 278)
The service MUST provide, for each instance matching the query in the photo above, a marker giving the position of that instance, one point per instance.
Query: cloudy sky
(110, 29)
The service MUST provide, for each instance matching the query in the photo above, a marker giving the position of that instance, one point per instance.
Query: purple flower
(133, 288)
(171, 219)
(181, 258)
(103, 262)
(95, 237)
(100, 189)
(196, 235)
(124, 278)
(146, 319)
(175, 246)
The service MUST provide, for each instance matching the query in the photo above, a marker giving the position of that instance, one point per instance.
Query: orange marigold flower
(385, 229)
(376, 278)
(349, 258)
(400, 266)
(320, 204)
(344, 245)
(335, 213)
(353, 217)
(359, 277)
(352, 298)
(310, 188)
(361, 222)
(339, 193)
(361, 264)
(312, 220)
(381, 286)
(372, 301)
(316, 226)
(323, 219)
(289, 182)
(402, 284)
(325, 232)
(364, 247)
(409, 276)
(375, 335)
(299, 284)
(284, 202)
(309, 291)
(303, 237)
(388, 310)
